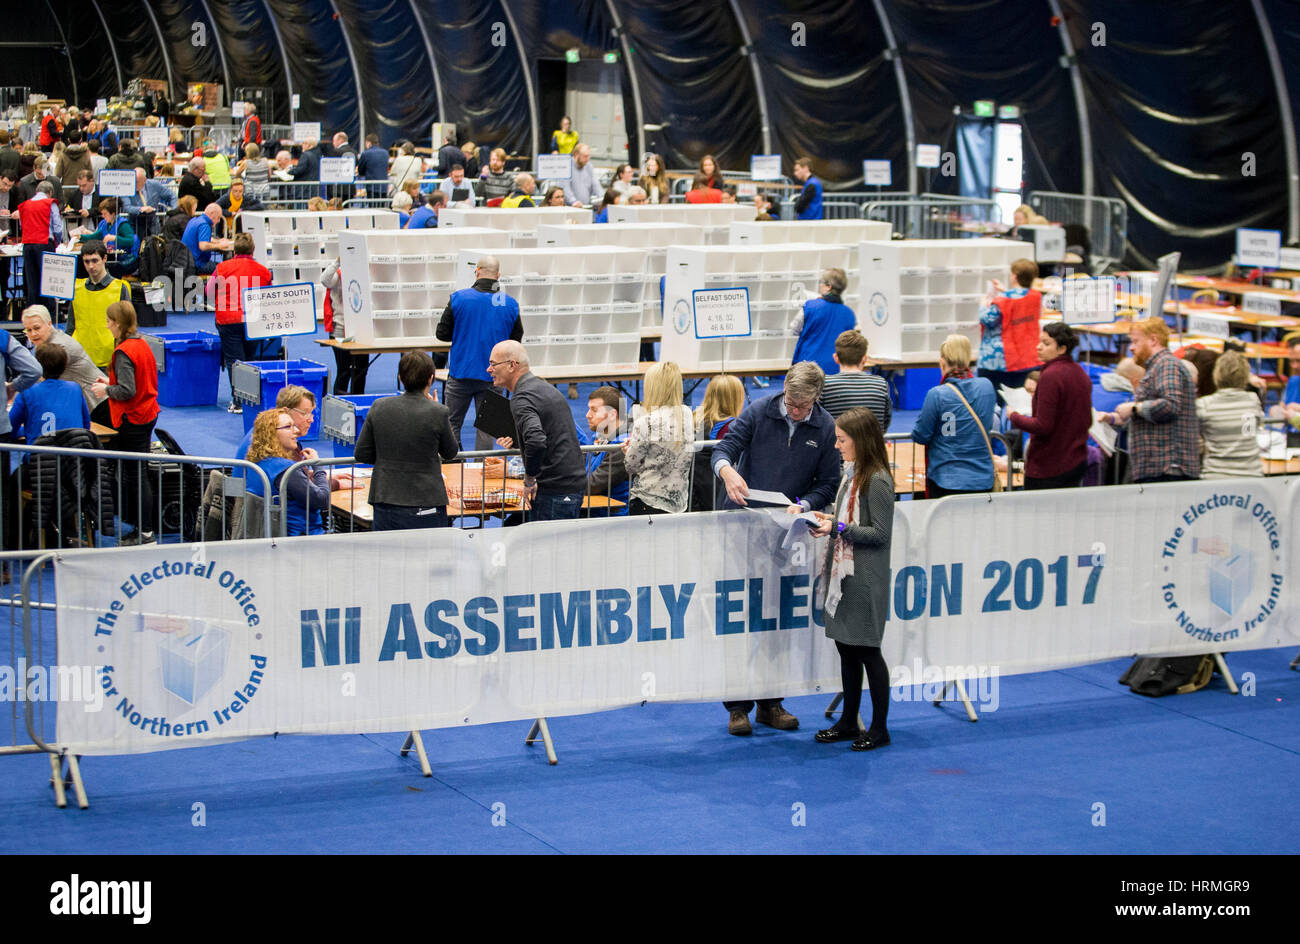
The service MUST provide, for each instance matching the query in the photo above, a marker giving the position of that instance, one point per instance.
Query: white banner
(422, 629)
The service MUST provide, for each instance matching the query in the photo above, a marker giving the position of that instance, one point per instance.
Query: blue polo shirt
(199, 230)
(423, 218)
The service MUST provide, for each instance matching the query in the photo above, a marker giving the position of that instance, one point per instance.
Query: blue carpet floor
(1207, 772)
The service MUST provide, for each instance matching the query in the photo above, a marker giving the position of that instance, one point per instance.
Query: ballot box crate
(189, 367)
(256, 384)
(342, 415)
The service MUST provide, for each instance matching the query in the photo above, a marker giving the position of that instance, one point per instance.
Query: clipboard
(492, 416)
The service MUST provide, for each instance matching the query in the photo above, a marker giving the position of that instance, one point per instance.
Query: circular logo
(878, 308)
(681, 316)
(354, 295)
(1220, 574)
(171, 675)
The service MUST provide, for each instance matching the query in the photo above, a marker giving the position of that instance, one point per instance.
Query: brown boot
(776, 717)
(739, 724)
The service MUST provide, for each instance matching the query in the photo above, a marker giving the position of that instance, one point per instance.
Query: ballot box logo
(682, 316)
(878, 309)
(354, 296)
(1221, 573)
(182, 648)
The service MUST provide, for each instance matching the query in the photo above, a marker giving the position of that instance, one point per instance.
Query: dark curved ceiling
(1181, 101)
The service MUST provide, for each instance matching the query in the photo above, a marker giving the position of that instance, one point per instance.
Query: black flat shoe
(831, 735)
(869, 742)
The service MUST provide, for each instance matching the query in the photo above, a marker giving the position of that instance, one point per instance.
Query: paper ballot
(1103, 434)
(797, 526)
(1018, 399)
(757, 496)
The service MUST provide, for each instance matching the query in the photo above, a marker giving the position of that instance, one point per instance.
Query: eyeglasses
(281, 429)
(492, 364)
(294, 409)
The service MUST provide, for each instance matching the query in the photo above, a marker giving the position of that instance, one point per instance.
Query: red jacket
(227, 286)
(1020, 329)
(1058, 430)
(708, 195)
(143, 407)
(34, 215)
(51, 131)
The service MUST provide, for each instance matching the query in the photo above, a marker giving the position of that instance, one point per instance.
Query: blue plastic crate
(913, 385)
(257, 384)
(189, 367)
(342, 415)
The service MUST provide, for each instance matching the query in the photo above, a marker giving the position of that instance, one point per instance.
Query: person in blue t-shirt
(822, 320)
(426, 217)
(606, 471)
(198, 237)
(808, 205)
(51, 404)
(307, 491)
(1289, 408)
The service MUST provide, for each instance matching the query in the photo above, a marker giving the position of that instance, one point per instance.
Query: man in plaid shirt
(1164, 436)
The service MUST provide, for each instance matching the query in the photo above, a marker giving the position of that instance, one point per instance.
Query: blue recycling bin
(257, 383)
(189, 367)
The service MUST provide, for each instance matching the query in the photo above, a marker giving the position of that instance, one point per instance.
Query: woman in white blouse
(659, 448)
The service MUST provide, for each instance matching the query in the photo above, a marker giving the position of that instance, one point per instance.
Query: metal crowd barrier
(936, 217)
(1105, 217)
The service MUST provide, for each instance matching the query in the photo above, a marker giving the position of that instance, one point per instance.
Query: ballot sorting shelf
(521, 224)
(714, 218)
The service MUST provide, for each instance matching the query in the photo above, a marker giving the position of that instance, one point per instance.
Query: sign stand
(540, 725)
(961, 694)
(414, 738)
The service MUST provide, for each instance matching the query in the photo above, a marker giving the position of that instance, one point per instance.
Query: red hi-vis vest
(1020, 329)
(143, 407)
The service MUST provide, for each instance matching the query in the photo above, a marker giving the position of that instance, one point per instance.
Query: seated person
(51, 404)
(205, 248)
(115, 232)
(401, 205)
(606, 471)
(426, 217)
(274, 448)
(1289, 408)
(234, 201)
(853, 386)
(601, 214)
(1116, 387)
(701, 192)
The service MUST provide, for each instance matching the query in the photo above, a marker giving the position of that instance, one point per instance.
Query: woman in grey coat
(855, 578)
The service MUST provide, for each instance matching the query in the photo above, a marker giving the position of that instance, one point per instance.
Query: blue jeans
(555, 506)
(405, 518)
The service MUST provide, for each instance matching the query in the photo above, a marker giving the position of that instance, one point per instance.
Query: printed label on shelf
(274, 311)
(564, 339)
(1261, 303)
(1208, 325)
(568, 279)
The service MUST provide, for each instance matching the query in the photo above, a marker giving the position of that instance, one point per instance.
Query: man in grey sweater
(554, 472)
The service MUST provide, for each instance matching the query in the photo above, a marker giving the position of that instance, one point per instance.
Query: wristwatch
(839, 527)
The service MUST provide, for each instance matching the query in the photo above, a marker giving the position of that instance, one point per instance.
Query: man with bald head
(476, 319)
(555, 475)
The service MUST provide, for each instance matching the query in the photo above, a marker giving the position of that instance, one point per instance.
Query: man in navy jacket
(784, 443)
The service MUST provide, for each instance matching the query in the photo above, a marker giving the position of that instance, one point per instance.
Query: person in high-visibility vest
(522, 195)
(90, 300)
(564, 140)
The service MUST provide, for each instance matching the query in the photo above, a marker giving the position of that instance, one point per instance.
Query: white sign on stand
(294, 104)
(116, 183)
(1208, 326)
(746, 189)
(1088, 301)
(58, 275)
(236, 109)
(765, 167)
(338, 170)
(274, 311)
(721, 312)
(304, 131)
(554, 166)
(877, 173)
(1259, 247)
(1290, 258)
(928, 155)
(1261, 303)
(153, 139)
(101, 106)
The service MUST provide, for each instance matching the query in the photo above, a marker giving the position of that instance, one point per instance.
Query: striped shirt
(848, 389)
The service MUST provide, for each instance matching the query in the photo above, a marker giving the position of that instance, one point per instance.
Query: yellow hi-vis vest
(512, 202)
(90, 312)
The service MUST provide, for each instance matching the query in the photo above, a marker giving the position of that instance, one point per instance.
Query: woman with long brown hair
(654, 180)
(855, 578)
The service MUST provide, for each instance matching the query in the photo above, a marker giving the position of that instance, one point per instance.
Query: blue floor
(1206, 772)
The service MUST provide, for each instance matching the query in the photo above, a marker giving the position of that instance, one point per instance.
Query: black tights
(852, 661)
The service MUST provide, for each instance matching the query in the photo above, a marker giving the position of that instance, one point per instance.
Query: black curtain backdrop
(1180, 97)
(830, 92)
(1175, 103)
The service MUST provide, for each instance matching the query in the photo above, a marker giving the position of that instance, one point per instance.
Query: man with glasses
(475, 320)
(554, 472)
(783, 443)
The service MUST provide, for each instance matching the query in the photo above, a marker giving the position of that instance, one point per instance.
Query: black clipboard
(460, 194)
(492, 416)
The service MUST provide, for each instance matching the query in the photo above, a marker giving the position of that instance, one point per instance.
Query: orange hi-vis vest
(1020, 329)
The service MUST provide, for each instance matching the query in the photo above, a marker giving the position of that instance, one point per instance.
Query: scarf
(842, 548)
(958, 373)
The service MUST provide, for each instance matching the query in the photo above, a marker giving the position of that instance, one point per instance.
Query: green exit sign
(1009, 112)
(611, 57)
(984, 109)
(572, 55)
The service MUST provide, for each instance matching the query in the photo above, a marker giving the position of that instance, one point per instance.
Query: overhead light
(572, 55)
(984, 108)
(1010, 112)
(611, 57)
